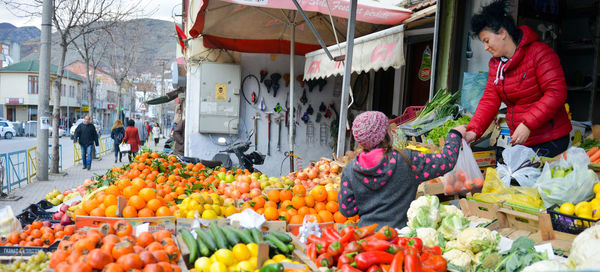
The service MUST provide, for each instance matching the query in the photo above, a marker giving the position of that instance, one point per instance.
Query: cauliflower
(452, 225)
(429, 236)
(454, 244)
(586, 249)
(422, 201)
(548, 265)
(446, 210)
(477, 239)
(458, 258)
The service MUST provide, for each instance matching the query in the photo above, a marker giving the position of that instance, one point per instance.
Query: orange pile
(38, 235)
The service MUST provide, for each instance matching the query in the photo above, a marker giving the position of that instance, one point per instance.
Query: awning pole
(291, 108)
(341, 140)
(312, 28)
(434, 51)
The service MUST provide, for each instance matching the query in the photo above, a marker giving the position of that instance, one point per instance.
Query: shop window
(33, 85)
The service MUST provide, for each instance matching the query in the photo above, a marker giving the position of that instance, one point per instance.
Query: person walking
(87, 136)
(142, 132)
(148, 128)
(179, 136)
(132, 138)
(156, 134)
(117, 133)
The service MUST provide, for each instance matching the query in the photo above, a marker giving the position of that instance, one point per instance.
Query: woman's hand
(520, 135)
(462, 129)
(469, 136)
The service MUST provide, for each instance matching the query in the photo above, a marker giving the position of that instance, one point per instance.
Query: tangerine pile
(36, 234)
(292, 205)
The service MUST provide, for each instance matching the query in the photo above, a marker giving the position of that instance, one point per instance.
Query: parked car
(7, 130)
(79, 121)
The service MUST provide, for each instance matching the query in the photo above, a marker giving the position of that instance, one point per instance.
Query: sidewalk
(75, 175)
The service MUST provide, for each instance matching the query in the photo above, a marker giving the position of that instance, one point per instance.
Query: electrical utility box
(219, 97)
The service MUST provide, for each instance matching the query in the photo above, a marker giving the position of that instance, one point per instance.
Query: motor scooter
(246, 161)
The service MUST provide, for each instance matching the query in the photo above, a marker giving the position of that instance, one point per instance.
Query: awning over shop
(378, 50)
(168, 97)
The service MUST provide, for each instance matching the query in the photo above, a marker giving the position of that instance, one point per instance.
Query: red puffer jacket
(533, 87)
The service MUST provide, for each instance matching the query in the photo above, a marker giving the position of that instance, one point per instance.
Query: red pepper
(322, 246)
(347, 258)
(435, 262)
(313, 239)
(366, 231)
(348, 268)
(347, 235)
(436, 250)
(366, 259)
(353, 246)
(375, 245)
(335, 249)
(374, 268)
(311, 251)
(393, 249)
(385, 267)
(425, 255)
(416, 243)
(330, 234)
(324, 260)
(412, 262)
(397, 263)
(386, 233)
(403, 242)
(424, 269)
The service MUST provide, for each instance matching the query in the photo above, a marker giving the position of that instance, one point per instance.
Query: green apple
(60, 197)
(221, 175)
(55, 202)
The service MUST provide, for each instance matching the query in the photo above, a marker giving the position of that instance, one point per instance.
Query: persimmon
(123, 228)
(130, 261)
(113, 267)
(148, 258)
(121, 249)
(173, 252)
(81, 267)
(160, 255)
(166, 266)
(69, 230)
(84, 245)
(36, 224)
(98, 259)
(144, 239)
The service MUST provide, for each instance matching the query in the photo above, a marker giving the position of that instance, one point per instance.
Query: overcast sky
(162, 10)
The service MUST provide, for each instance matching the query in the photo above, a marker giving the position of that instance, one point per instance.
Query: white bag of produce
(567, 180)
(519, 165)
(465, 176)
(8, 222)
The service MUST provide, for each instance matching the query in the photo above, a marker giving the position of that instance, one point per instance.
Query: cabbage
(452, 225)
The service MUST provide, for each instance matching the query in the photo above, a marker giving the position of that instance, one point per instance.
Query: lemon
(178, 213)
(278, 258)
(217, 209)
(597, 189)
(209, 214)
(253, 249)
(253, 262)
(225, 256)
(567, 208)
(268, 262)
(598, 194)
(190, 214)
(185, 202)
(196, 196)
(202, 264)
(581, 205)
(182, 196)
(213, 258)
(245, 266)
(218, 267)
(241, 252)
(193, 205)
(229, 211)
(585, 211)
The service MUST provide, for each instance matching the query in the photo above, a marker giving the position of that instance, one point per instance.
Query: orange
(89, 205)
(270, 203)
(97, 212)
(110, 200)
(145, 212)
(129, 211)
(298, 202)
(111, 211)
(154, 204)
(139, 183)
(100, 197)
(319, 193)
(325, 216)
(299, 190)
(332, 195)
(137, 202)
(286, 204)
(179, 190)
(123, 183)
(273, 195)
(312, 211)
(296, 219)
(130, 191)
(112, 190)
(271, 213)
(285, 195)
(331, 206)
(339, 218)
(303, 211)
(320, 206)
(147, 194)
(163, 211)
(310, 201)
(259, 202)
(79, 212)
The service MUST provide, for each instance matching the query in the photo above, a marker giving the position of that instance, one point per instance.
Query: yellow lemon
(268, 262)
(278, 258)
(253, 249)
(217, 209)
(597, 189)
(230, 211)
(567, 208)
(190, 214)
(241, 252)
(218, 267)
(581, 205)
(202, 264)
(178, 213)
(225, 256)
(253, 262)
(213, 258)
(598, 194)
(209, 214)
(186, 201)
(244, 266)
(585, 211)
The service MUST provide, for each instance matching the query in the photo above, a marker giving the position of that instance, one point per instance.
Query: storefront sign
(85, 108)
(110, 106)
(14, 100)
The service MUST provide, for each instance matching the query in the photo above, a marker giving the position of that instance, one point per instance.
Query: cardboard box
(187, 223)
(485, 158)
(155, 223)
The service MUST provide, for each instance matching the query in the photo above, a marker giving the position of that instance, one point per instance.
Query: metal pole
(44, 92)
(341, 140)
(434, 51)
(292, 77)
(312, 28)
(595, 72)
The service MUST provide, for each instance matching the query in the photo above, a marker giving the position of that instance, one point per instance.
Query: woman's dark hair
(130, 123)
(493, 17)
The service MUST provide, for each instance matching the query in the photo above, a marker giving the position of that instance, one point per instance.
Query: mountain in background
(9, 32)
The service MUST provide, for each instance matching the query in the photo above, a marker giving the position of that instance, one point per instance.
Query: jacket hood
(528, 37)
(377, 176)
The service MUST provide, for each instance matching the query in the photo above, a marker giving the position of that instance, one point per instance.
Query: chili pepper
(324, 260)
(347, 235)
(353, 246)
(275, 267)
(393, 249)
(330, 235)
(366, 231)
(412, 262)
(385, 267)
(321, 246)
(373, 245)
(403, 242)
(347, 258)
(366, 259)
(335, 249)
(416, 243)
(436, 250)
(397, 263)
(311, 251)
(386, 233)
(313, 239)
(435, 262)
(348, 268)
(374, 268)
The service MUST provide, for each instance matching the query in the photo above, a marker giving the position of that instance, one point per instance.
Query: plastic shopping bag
(567, 180)
(466, 176)
(495, 191)
(521, 164)
(8, 222)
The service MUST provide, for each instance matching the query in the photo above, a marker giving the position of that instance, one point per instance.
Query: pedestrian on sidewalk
(156, 134)
(86, 135)
(142, 132)
(148, 128)
(132, 138)
(179, 135)
(117, 133)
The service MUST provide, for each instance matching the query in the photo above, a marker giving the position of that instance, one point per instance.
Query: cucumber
(230, 235)
(191, 243)
(256, 235)
(281, 236)
(206, 237)
(218, 234)
(202, 247)
(280, 245)
(245, 237)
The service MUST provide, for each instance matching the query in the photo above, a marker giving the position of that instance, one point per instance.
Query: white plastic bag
(8, 222)
(514, 158)
(309, 226)
(574, 187)
(466, 176)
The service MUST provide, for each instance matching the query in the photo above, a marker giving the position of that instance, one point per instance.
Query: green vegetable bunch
(441, 131)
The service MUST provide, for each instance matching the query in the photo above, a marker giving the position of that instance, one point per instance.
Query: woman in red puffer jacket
(526, 75)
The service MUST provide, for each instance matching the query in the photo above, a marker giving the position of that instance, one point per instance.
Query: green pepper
(276, 267)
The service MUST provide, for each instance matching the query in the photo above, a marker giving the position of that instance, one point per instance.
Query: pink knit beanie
(369, 128)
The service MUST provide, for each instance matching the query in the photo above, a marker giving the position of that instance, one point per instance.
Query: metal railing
(20, 166)
(32, 162)
(106, 145)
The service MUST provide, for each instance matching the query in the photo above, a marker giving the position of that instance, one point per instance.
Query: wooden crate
(479, 209)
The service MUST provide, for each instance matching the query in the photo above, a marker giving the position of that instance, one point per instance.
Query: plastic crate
(27, 217)
(568, 223)
(409, 114)
(45, 204)
(14, 251)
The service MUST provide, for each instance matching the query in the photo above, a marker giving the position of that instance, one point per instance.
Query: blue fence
(20, 166)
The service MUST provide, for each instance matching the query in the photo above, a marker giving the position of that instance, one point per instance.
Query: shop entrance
(11, 114)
